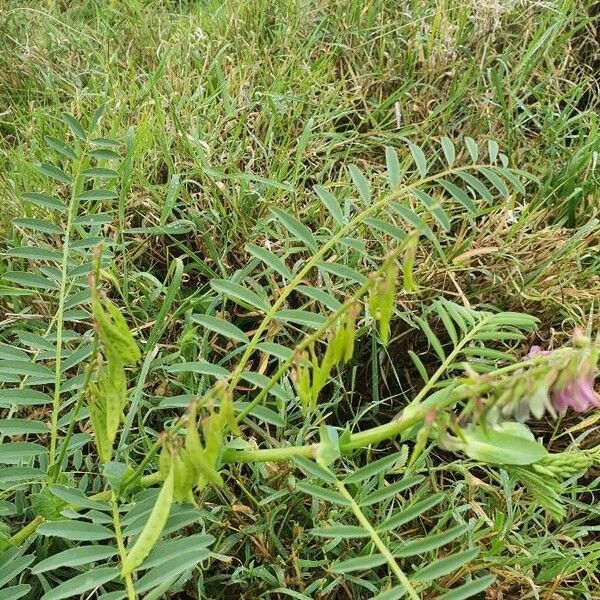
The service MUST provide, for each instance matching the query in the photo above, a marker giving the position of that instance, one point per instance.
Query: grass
(224, 110)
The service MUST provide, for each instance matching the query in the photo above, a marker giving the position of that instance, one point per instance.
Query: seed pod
(184, 478)
(96, 402)
(208, 473)
(387, 299)
(213, 437)
(128, 349)
(322, 372)
(165, 461)
(114, 388)
(373, 301)
(301, 378)
(421, 442)
(153, 528)
(350, 335)
(409, 262)
(113, 330)
(226, 410)
(316, 380)
(339, 343)
(193, 445)
(106, 399)
(203, 471)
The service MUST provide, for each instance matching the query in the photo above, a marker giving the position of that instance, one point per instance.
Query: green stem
(374, 435)
(313, 337)
(25, 532)
(410, 416)
(131, 595)
(316, 257)
(137, 473)
(72, 213)
(269, 454)
(379, 543)
(55, 471)
(442, 369)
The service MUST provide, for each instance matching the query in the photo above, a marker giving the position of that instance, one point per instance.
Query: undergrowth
(299, 300)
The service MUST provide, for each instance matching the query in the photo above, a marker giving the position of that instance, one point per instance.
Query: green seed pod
(339, 343)
(409, 262)
(96, 401)
(421, 442)
(373, 302)
(113, 330)
(322, 372)
(184, 476)
(350, 335)
(302, 383)
(153, 528)
(106, 399)
(128, 349)
(387, 300)
(328, 361)
(208, 474)
(203, 471)
(227, 411)
(193, 445)
(165, 461)
(212, 429)
(114, 389)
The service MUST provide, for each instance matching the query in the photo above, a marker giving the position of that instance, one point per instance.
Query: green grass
(224, 110)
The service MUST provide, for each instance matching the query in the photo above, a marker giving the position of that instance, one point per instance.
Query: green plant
(297, 368)
(222, 111)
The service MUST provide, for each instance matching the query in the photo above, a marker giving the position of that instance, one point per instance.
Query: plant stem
(317, 256)
(72, 213)
(406, 420)
(269, 454)
(313, 337)
(379, 543)
(131, 595)
(25, 532)
(55, 471)
(448, 361)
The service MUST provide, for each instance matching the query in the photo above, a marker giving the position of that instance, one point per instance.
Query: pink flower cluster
(575, 391)
(578, 394)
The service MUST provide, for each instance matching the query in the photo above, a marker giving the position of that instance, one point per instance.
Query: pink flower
(569, 388)
(536, 351)
(577, 394)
